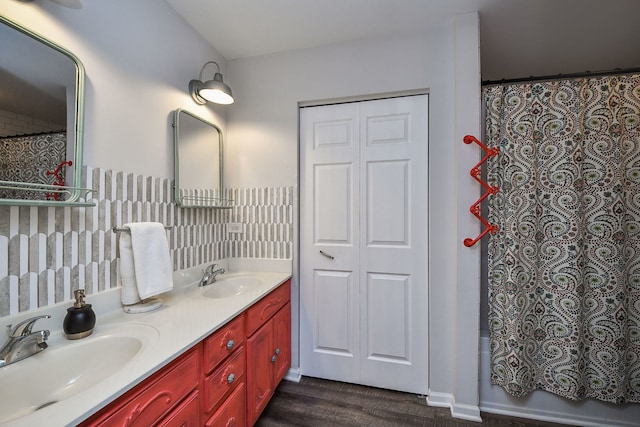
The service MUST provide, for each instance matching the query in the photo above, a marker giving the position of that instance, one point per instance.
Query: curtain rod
(561, 76)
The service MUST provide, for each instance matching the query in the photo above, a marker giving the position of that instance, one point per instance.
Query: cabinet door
(282, 343)
(259, 371)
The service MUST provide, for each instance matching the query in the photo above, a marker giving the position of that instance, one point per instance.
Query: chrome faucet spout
(22, 342)
(209, 275)
(216, 273)
(24, 328)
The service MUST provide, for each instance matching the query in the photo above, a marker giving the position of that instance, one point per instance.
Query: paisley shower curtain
(564, 268)
(27, 158)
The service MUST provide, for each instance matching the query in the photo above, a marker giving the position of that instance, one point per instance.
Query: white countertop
(183, 321)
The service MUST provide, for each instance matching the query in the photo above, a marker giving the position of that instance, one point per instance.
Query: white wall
(467, 122)
(262, 150)
(263, 122)
(139, 57)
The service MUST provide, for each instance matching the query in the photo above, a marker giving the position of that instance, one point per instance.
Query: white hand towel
(151, 261)
(127, 271)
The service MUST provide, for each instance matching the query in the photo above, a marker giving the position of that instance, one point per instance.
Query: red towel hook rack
(58, 179)
(476, 174)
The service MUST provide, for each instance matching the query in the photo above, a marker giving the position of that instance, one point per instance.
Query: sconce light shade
(211, 90)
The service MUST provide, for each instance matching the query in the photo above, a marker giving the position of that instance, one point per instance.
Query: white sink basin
(225, 286)
(69, 367)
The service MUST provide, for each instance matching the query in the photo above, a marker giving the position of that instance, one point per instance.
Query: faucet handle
(210, 268)
(24, 328)
(42, 336)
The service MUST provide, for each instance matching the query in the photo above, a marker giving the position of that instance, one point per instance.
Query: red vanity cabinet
(225, 380)
(268, 348)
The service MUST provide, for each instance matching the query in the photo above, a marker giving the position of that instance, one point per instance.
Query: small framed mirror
(41, 120)
(198, 162)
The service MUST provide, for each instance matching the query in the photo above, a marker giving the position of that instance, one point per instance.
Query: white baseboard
(440, 400)
(460, 411)
(466, 412)
(293, 375)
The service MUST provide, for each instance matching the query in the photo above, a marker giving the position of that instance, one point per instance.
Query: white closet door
(329, 316)
(393, 243)
(364, 203)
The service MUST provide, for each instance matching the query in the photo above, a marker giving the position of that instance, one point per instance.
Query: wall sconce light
(212, 90)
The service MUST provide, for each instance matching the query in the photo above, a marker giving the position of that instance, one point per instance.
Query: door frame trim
(359, 98)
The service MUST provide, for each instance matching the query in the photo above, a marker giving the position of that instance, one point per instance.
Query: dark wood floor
(319, 403)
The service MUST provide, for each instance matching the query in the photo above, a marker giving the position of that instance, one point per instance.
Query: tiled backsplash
(267, 218)
(46, 253)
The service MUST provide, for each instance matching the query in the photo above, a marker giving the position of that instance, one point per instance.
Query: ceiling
(519, 38)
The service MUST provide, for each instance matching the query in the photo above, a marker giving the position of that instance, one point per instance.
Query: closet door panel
(393, 248)
(329, 242)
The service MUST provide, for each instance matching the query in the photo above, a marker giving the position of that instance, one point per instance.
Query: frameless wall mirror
(41, 120)
(198, 162)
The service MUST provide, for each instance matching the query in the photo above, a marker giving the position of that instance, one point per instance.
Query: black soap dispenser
(80, 319)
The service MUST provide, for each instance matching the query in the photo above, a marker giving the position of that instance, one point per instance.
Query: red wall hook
(476, 173)
(58, 180)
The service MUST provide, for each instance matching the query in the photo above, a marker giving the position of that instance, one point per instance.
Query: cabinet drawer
(185, 415)
(158, 397)
(223, 342)
(232, 413)
(261, 311)
(224, 380)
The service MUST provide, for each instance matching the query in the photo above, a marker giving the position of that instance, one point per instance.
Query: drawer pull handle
(278, 350)
(231, 422)
(231, 378)
(230, 344)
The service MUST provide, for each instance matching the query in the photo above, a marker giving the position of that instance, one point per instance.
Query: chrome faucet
(209, 275)
(22, 342)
